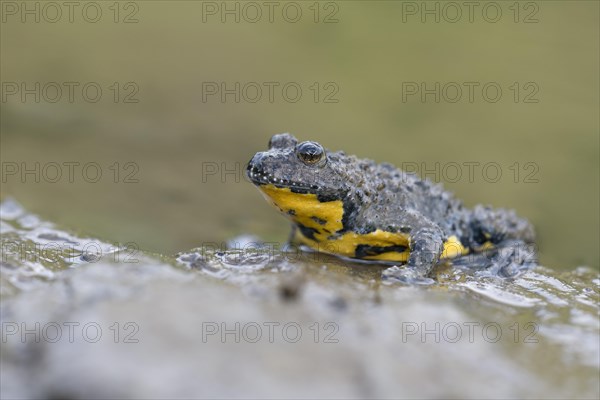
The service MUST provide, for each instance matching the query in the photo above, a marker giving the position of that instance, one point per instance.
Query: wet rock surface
(82, 318)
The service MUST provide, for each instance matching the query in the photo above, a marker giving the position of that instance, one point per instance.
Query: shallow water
(224, 323)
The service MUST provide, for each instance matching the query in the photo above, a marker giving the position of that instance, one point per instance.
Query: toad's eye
(310, 153)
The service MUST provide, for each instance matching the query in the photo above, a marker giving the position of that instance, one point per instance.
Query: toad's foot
(405, 275)
(509, 259)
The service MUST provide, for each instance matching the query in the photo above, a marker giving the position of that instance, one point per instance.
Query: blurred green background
(175, 136)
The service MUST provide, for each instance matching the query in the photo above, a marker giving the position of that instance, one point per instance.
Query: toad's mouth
(260, 177)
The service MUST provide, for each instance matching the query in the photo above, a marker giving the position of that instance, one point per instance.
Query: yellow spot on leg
(453, 248)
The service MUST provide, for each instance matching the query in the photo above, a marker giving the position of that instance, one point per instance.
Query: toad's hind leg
(507, 259)
(496, 226)
(506, 238)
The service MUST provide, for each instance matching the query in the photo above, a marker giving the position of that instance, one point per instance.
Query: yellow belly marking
(347, 243)
(304, 208)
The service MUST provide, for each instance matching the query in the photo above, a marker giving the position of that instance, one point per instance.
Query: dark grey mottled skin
(380, 196)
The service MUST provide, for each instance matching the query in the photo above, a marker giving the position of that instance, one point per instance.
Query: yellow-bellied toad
(356, 208)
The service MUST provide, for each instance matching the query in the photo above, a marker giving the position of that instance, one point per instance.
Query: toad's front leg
(426, 246)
